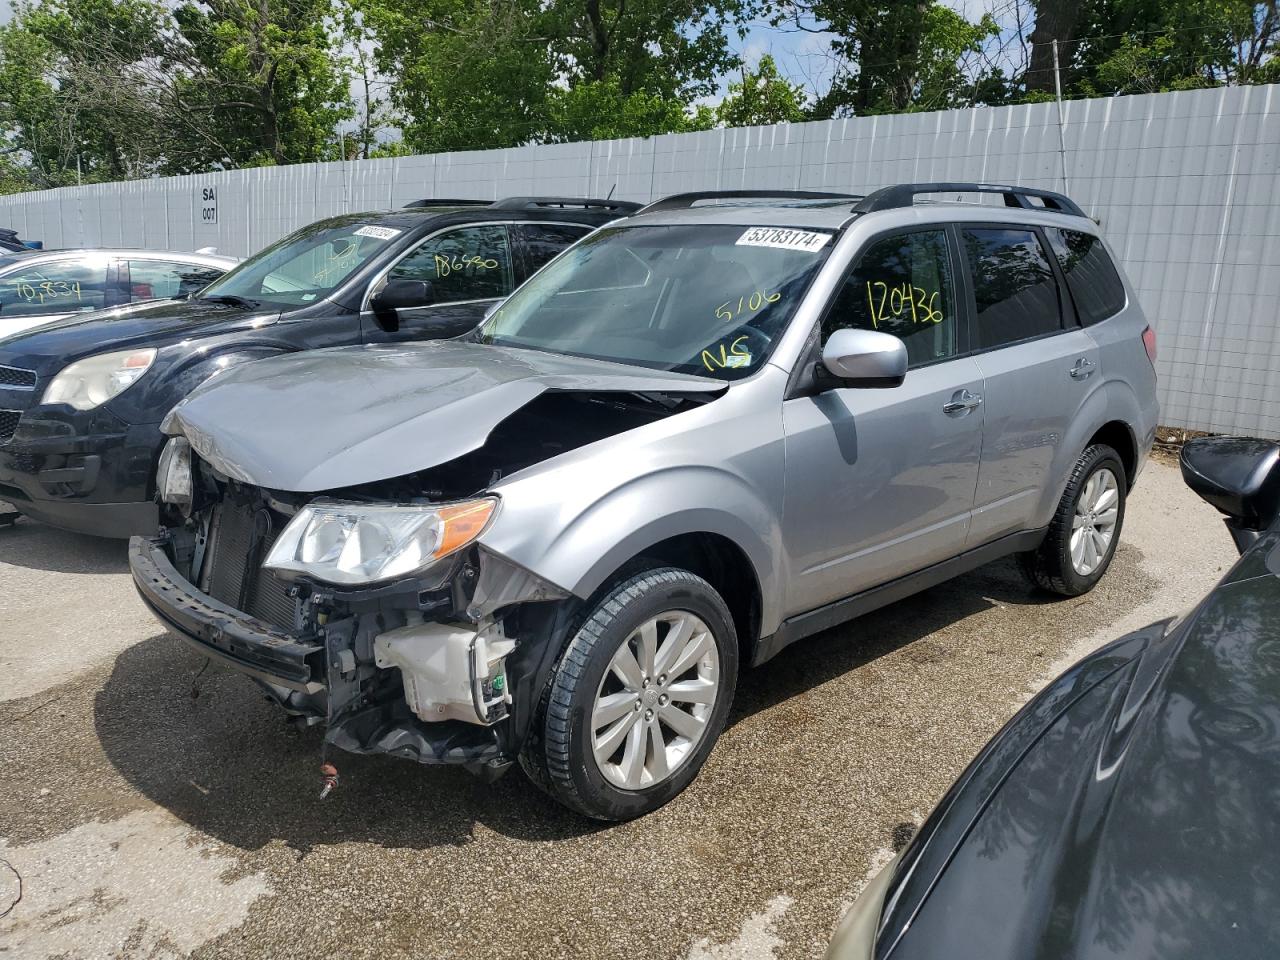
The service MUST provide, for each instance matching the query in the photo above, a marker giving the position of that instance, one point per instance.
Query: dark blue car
(81, 400)
(1132, 809)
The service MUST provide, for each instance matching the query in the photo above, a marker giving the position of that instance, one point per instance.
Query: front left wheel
(640, 696)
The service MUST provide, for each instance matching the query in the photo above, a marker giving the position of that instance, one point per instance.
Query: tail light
(1149, 341)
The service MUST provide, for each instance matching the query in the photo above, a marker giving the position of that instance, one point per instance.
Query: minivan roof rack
(445, 202)
(680, 201)
(904, 194)
(587, 203)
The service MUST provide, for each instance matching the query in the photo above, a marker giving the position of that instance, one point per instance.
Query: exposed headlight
(173, 478)
(360, 543)
(93, 381)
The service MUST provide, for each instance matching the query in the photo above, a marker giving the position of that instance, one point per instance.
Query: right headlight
(91, 382)
(173, 476)
(352, 544)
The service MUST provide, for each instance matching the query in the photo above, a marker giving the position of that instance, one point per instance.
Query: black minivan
(81, 400)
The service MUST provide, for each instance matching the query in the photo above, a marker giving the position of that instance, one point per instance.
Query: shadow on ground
(39, 547)
(227, 763)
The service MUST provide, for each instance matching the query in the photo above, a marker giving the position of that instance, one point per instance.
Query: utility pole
(1062, 139)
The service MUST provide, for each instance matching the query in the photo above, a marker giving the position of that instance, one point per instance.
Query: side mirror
(865, 358)
(398, 295)
(1240, 477)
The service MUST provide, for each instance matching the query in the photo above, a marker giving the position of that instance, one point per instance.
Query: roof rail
(680, 201)
(586, 203)
(904, 194)
(444, 202)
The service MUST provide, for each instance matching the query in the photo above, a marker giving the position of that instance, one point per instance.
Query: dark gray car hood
(327, 419)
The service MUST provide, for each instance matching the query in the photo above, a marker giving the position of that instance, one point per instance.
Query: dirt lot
(145, 822)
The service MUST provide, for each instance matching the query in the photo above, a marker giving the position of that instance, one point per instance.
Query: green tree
(894, 56)
(507, 72)
(264, 79)
(762, 96)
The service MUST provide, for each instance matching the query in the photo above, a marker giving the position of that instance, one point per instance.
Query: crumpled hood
(328, 419)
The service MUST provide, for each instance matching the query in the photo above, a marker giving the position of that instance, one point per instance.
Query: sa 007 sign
(207, 205)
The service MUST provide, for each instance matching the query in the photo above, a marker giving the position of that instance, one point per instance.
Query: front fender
(579, 545)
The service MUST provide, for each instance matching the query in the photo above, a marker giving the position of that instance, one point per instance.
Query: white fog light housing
(91, 382)
(351, 544)
(173, 478)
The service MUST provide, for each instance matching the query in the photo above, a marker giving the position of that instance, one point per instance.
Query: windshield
(305, 266)
(706, 299)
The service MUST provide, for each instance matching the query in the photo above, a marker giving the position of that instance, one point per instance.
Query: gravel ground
(147, 822)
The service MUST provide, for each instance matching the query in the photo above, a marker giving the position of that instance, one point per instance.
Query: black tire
(1049, 566)
(567, 765)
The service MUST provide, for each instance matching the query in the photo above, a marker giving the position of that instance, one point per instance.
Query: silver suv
(695, 437)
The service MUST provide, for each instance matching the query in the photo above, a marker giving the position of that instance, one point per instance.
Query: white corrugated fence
(1186, 186)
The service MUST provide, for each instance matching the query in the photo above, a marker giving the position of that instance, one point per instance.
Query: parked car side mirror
(865, 358)
(398, 295)
(1239, 476)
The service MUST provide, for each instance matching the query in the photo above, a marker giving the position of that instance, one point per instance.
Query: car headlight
(361, 543)
(91, 382)
(173, 477)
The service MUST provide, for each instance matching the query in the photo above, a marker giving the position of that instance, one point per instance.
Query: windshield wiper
(232, 300)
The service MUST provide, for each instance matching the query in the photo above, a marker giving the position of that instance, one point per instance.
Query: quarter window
(903, 285)
(1092, 279)
(66, 286)
(470, 263)
(164, 279)
(544, 241)
(1015, 293)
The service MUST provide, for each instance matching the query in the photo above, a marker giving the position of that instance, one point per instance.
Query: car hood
(1143, 821)
(153, 324)
(329, 419)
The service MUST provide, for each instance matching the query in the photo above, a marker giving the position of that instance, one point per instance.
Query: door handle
(1083, 369)
(961, 402)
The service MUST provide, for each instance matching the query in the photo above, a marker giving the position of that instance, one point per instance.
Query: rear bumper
(217, 631)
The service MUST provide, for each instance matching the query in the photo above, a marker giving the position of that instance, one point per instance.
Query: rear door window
(1014, 289)
(61, 286)
(544, 241)
(1092, 278)
(469, 263)
(165, 279)
(903, 285)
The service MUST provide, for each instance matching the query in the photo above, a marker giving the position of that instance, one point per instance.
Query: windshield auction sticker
(381, 233)
(783, 239)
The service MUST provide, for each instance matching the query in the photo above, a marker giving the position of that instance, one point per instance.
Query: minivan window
(543, 241)
(1015, 293)
(63, 286)
(1092, 279)
(902, 285)
(305, 266)
(164, 279)
(469, 263)
(706, 299)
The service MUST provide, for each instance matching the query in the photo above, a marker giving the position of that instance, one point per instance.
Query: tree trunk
(1055, 20)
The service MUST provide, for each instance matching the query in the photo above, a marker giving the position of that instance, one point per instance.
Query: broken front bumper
(362, 678)
(225, 635)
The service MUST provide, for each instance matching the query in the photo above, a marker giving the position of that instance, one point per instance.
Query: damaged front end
(443, 664)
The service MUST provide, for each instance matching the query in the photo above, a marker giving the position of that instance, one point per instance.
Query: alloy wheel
(655, 699)
(1094, 525)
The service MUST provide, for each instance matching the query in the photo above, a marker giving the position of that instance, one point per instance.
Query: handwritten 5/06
(731, 310)
(899, 301)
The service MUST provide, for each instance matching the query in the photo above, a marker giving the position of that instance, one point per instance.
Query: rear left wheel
(640, 695)
(1085, 530)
